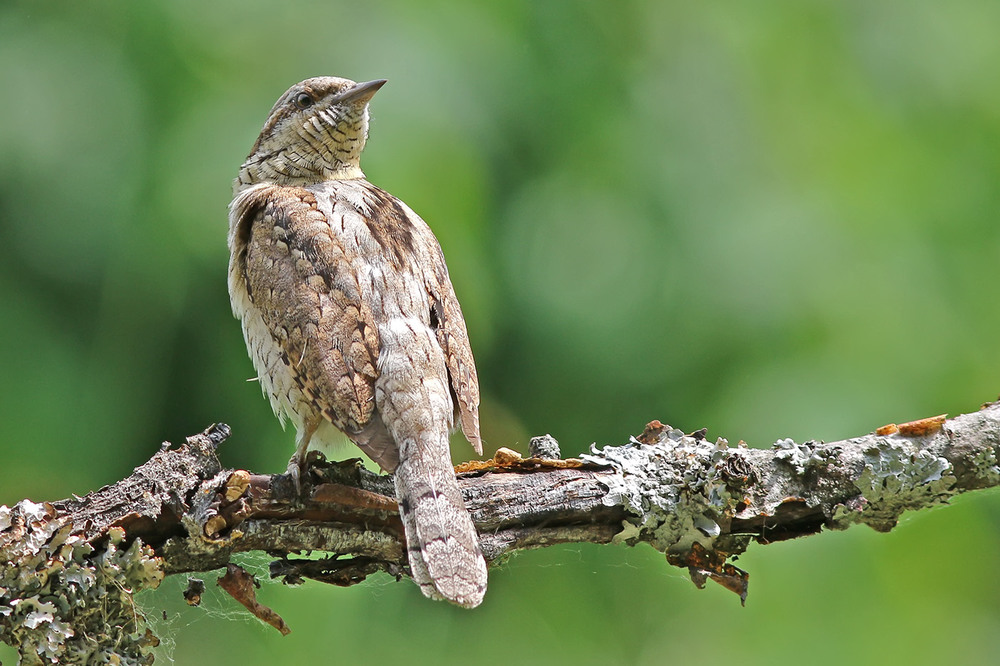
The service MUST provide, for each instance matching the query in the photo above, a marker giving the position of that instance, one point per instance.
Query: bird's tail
(441, 540)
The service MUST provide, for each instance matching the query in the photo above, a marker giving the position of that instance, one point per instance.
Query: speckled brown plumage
(351, 320)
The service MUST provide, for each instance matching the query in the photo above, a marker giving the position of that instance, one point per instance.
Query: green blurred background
(773, 219)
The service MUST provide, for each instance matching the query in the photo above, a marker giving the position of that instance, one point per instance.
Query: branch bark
(70, 568)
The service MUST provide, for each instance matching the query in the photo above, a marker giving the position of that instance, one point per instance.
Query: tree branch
(70, 567)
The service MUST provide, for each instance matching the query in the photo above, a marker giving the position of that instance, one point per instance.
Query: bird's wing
(302, 284)
(449, 324)
(395, 227)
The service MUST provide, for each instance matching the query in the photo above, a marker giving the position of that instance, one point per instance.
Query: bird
(352, 323)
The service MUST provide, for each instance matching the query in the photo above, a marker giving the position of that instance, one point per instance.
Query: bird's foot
(296, 468)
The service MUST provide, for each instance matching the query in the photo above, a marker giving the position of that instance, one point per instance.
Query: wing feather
(453, 337)
(301, 283)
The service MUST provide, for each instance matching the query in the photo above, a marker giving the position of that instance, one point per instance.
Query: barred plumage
(351, 320)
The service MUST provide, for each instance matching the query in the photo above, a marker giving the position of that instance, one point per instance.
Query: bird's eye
(303, 100)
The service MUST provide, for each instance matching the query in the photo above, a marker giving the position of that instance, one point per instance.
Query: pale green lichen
(984, 466)
(804, 457)
(898, 476)
(673, 488)
(893, 468)
(66, 601)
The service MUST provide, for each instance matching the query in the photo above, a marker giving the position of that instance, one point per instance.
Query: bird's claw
(295, 469)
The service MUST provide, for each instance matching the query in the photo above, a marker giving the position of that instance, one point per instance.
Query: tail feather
(442, 543)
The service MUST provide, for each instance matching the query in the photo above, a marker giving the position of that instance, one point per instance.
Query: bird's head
(315, 131)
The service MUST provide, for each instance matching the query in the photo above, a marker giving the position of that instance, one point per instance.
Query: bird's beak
(360, 93)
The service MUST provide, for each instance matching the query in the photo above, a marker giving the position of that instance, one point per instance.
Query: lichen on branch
(71, 568)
